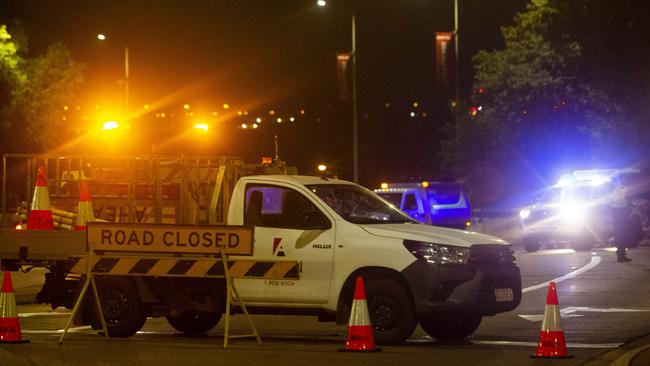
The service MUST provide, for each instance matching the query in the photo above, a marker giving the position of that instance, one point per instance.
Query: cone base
(567, 356)
(17, 341)
(360, 350)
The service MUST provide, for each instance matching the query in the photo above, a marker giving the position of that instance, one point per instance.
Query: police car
(577, 210)
(434, 203)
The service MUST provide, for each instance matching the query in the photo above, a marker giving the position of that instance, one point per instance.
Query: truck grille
(491, 255)
(542, 214)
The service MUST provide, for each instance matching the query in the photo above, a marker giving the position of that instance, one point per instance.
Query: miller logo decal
(278, 251)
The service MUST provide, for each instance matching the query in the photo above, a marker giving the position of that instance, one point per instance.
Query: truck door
(289, 225)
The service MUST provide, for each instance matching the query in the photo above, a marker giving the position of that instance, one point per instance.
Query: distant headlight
(524, 213)
(437, 253)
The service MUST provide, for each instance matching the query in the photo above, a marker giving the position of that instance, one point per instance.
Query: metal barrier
(168, 189)
(174, 251)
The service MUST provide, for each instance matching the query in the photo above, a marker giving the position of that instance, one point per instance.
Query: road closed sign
(185, 239)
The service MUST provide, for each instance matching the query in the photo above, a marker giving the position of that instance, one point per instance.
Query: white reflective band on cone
(359, 314)
(551, 321)
(8, 308)
(85, 213)
(41, 200)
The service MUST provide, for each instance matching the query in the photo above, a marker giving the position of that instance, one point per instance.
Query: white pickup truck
(444, 279)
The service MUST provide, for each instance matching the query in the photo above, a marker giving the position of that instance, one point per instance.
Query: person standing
(620, 221)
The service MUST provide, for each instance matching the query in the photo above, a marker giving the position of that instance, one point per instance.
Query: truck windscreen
(358, 205)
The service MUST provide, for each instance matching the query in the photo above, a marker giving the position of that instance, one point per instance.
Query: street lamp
(355, 118)
(110, 125)
(102, 37)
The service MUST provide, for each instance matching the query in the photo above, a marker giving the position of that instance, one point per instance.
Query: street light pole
(355, 112)
(456, 66)
(102, 37)
(355, 117)
(126, 82)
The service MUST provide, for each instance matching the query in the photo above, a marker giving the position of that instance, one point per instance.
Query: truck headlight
(574, 213)
(437, 253)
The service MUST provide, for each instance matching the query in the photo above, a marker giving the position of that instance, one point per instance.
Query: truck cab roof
(297, 179)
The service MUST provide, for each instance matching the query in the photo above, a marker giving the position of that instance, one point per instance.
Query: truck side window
(262, 205)
(410, 203)
(296, 210)
(253, 213)
(274, 206)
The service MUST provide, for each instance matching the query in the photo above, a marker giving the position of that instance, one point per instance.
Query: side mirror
(315, 220)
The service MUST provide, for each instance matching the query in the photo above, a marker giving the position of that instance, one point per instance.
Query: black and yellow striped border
(185, 267)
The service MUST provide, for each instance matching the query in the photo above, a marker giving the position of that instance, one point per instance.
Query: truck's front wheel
(452, 327)
(391, 310)
(120, 304)
(190, 321)
(531, 244)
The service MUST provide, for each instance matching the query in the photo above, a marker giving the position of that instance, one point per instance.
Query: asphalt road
(605, 309)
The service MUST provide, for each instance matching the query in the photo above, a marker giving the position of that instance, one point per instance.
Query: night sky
(275, 55)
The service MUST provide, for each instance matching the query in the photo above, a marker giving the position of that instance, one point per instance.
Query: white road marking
(573, 309)
(536, 318)
(534, 344)
(428, 339)
(595, 260)
(568, 312)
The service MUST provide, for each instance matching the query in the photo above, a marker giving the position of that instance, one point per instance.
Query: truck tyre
(531, 244)
(391, 309)
(120, 304)
(452, 327)
(190, 321)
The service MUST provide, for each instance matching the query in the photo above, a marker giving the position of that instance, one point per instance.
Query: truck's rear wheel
(190, 321)
(451, 328)
(583, 242)
(120, 304)
(392, 313)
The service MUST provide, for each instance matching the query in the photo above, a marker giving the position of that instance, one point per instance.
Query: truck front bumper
(468, 289)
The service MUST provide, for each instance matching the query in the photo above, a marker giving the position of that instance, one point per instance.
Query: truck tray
(38, 245)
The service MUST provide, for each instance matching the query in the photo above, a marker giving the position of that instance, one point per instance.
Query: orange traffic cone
(9, 325)
(360, 338)
(85, 212)
(551, 342)
(40, 216)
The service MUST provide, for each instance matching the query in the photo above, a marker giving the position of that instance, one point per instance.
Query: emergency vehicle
(433, 203)
(446, 280)
(577, 210)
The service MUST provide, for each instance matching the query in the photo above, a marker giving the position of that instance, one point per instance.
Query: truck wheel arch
(368, 274)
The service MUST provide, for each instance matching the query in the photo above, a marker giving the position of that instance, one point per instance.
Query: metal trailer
(179, 189)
